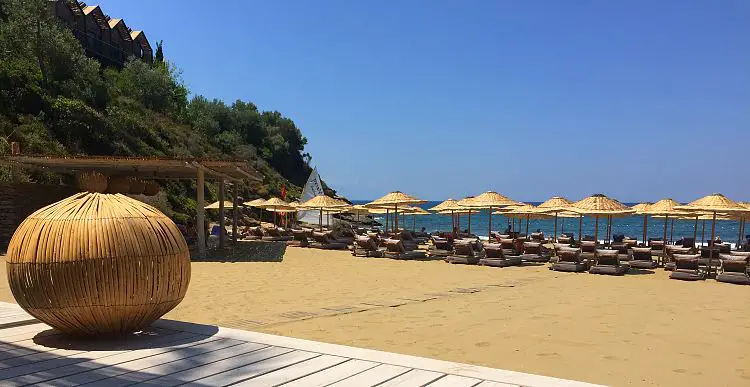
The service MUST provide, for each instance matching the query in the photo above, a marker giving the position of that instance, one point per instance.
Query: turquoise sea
(631, 226)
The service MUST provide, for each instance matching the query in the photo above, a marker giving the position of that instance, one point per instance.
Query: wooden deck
(174, 353)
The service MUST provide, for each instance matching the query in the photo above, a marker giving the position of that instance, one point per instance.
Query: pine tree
(159, 52)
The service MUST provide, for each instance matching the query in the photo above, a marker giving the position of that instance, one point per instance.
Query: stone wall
(19, 200)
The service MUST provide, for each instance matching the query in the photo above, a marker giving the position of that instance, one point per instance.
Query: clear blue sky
(635, 99)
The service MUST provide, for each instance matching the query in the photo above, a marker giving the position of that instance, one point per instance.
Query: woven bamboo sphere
(98, 264)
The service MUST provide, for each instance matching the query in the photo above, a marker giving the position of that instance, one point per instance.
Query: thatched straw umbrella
(528, 212)
(640, 209)
(449, 206)
(358, 210)
(665, 207)
(274, 205)
(414, 211)
(393, 200)
(254, 203)
(600, 205)
(714, 203)
(322, 203)
(555, 205)
(216, 205)
(465, 202)
(489, 201)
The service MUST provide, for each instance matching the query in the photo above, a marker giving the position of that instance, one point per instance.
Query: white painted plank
(131, 371)
(55, 347)
(412, 378)
(454, 381)
(213, 368)
(488, 383)
(294, 372)
(333, 374)
(252, 370)
(78, 363)
(446, 367)
(373, 376)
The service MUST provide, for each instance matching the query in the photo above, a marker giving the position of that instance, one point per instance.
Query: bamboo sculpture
(98, 264)
(91, 182)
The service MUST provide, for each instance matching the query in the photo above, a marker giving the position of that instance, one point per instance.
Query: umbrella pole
(596, 229)
(386, 220)
(703, 233)
(489, 230)
(321, 219)
(580, 228)
(469, 221)
(695, 231)
(414, 224)
(666, 220)
(671, 232)
(527, 225)
(739, 235)
(713, 235)
(555, 238)
(562, 228)
(645, 227)
(395, 216)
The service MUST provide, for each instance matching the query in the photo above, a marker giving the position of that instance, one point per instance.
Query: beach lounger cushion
(501, 262)
(732, 263)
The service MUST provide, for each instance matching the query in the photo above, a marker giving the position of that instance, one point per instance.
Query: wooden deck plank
(454, 381)
(373, 376)
(133, 371)
(255, 369)
(25, 332)
(212, 368)
(412, 378)
(333, 374)
(93, 359)
(489, 383)
(52, 348)
(298, 371)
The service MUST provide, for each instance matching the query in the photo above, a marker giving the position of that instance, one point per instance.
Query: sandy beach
(634, 330)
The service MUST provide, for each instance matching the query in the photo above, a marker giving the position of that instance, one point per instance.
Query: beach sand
(633, 330)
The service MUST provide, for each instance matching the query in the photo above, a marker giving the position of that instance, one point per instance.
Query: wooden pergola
(156, 168)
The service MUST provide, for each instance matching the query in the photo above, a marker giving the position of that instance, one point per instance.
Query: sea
(631, 226)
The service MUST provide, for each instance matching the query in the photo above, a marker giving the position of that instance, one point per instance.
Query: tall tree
(159, 52)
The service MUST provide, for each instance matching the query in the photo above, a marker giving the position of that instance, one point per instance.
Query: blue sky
(639, 100)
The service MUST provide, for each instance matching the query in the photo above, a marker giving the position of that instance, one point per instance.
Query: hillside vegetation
(54, 100)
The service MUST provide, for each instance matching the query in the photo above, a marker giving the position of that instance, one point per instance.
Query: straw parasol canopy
(414, 211)
(359, 210)
(98, 264)
(215, 205)
(665, 207)
(255, 203)
(446, 205)
(555, 204)
(714, 204)
(393, 200)
(321, 203)
(488, 200)
(600, 205)
(276, 205)
(640, 207)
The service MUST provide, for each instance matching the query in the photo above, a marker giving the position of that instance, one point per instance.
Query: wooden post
(235, 211)
(489, 230)
(703, 232)
(645, 227)
(671, 232)
(555, 237)
(469, 220)
(596, 231)
(200, 226)
(666, 220)
(222, 216)
(580, 228)
(712, 246)
(695, 231)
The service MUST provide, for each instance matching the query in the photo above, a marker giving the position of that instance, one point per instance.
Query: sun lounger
(252, 233)
(537, 237)
(569, 260)
(365, 246)
(608, 262)
(508, 243)
(410, 243)
(466, 251)
(588, 251)
(394, 248)
(565, 239)
(496, 256)
(441, 247)
(687, 268)
(274, 235)
(535, 252)
(641, 258)
(670, 251)
(300, 238)
(734, 269)
(322, 241)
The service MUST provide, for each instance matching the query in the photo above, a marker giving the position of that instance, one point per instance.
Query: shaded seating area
(322, 241)
(440, 247)
(497, 256)
(608, 262)
(734, 269)
(395, 248)
(687, 268)
(367, 246)
(535, 252)
(669, 253)
(569, 260)
(466, 251)
(642, 258)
